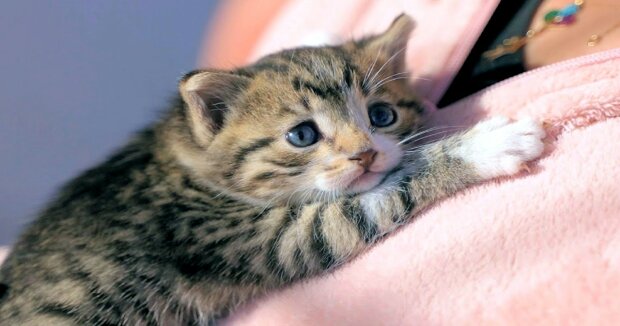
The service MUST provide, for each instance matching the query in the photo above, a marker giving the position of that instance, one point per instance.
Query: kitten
(256, 178)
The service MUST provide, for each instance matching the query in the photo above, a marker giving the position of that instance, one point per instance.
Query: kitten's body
(207, 209)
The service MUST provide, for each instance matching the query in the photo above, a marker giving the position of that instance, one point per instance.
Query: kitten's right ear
(392, 42)
(208, 95)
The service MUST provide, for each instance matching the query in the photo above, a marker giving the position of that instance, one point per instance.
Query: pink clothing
(540, 248)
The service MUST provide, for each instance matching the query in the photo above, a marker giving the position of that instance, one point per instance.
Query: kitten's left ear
(208, 95)
(392, 43)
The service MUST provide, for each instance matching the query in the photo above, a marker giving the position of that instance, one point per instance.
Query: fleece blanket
(539, 248)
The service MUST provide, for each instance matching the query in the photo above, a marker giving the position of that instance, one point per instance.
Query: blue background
(76, 79)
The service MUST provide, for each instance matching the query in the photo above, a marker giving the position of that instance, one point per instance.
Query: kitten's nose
(365, 158)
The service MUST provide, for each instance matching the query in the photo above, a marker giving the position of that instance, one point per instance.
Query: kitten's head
(306, 123)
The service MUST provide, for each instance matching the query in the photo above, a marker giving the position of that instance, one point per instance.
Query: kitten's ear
(208, 95)
(392, 43)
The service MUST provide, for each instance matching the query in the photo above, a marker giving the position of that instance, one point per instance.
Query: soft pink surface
(541, 248)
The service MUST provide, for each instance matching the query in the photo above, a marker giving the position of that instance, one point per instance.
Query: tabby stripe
(292, 163)
(222, 199)
(3, 290)
(355, 213)
(364, 87)
(212, 216)
(58, 309)
(348, 66)
(102, 300)
(273, 262)
(219, 211)
(138, 303)
(188, 204)
(190, 184)
(245, 151)
(405, 196)
(305, 102)
(208, 259)
(260, 215)
(300, 61)
(245, 72)
(266, 176)
(241, 270)
(105, 304)
(214, 227)
(347, 75)
(319, 243)
(286, 110)
(266, 65)
(322, 92)
(302, 271)
(196, 222)
(411, 104)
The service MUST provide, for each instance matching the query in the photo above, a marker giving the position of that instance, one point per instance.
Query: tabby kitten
(256, 178)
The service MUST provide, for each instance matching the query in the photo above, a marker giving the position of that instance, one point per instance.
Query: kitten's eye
(303, 135)
(381, 114)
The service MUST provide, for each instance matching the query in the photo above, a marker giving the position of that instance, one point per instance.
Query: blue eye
(381, 114)
(303, 135)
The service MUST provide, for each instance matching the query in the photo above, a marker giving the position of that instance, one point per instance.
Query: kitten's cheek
(327, 182)
(323, 184)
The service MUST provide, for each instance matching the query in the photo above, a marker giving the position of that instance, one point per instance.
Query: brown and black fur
(199, 213)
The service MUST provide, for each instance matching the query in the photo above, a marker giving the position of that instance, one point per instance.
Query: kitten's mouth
(366, 181)
(370, 180)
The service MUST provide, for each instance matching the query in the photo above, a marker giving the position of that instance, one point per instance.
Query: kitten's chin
(365, 182)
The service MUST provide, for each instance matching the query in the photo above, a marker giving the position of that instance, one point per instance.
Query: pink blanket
(540, 248)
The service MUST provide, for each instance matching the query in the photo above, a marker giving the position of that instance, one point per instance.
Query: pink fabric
(541, 248)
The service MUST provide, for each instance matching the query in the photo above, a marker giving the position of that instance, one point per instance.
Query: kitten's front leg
(493, 148)
(319, 236)
(498, 147)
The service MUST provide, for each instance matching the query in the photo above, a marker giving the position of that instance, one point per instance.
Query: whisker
(385, 82)
(404, 73)
(439, 129)
(386, 62)
(369, 71)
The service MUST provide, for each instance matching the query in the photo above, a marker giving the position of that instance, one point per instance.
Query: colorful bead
(564, 16)
(551, 15)
(566, 20)
(569, 10)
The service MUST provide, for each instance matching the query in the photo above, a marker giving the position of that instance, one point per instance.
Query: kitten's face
(307, 124)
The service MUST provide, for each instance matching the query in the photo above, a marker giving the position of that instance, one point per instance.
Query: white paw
(498, 146)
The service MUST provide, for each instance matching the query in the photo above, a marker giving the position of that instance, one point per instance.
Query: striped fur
(211, 206)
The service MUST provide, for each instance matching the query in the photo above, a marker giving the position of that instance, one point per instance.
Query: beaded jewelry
(563, 16)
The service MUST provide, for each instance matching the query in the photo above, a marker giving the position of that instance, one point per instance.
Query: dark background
(76, 79)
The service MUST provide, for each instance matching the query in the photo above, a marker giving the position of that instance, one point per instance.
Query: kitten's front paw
(498, 146)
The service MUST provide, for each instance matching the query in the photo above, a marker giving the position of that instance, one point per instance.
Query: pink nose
(365, 158)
